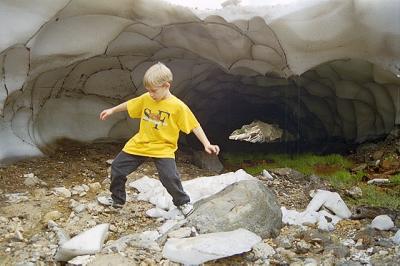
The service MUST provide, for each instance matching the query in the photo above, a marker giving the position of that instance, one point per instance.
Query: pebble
(354, 192)
(79, 208)
(95, 186)
(53, 215)
(302, 247)
(62, 191)
(383, 252)
(310, 262)
(266, 175)
(18, 236)
(181, 232)
(30, 175)
(263, 251)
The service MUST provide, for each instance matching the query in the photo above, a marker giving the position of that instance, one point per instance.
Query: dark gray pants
(125, 163)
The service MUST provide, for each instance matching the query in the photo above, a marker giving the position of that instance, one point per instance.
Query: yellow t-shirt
(160, 123)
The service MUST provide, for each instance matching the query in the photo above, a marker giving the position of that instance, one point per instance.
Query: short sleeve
(187, 121)
(135, 106)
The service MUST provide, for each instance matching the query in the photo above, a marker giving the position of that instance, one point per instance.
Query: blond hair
(157, 75)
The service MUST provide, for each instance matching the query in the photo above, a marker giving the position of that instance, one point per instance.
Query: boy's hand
(212, 149)
(106, 113)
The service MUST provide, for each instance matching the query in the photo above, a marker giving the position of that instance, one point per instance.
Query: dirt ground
(74, 163)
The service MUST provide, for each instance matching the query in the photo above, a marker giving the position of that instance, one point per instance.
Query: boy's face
(159, 93)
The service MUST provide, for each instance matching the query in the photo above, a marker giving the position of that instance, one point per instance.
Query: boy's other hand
(212, 149)
(106, 113)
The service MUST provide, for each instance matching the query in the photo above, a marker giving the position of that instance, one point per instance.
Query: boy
(162, 117)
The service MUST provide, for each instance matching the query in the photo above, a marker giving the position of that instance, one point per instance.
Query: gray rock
(235, 207)
(386, 243)
(328, 260)
(111, 259)
(263, 251)
(266, 175)
(385, 259)
(16, 197)
(62, 191)
(310, 262)
(62, 235)
(354, 192)
(18, 236)
(81, 260)
(79, 208)
(360, 167)
(361, 257)
(316, 236)
(31, 181)
(288, 173)
(302, 247)
(181, 232)
(349, 263)
(52, 215)
(140, 240)
(284, 241)
(338, 250)
(367, 236)
(206, 161)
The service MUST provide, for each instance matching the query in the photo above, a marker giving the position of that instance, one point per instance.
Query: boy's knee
(115, 170)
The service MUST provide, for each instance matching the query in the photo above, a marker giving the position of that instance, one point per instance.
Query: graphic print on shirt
(157, 118)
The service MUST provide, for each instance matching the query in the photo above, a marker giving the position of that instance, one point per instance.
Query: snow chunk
(382, 222)
(86, 243)
(330, 200)
(202, 248)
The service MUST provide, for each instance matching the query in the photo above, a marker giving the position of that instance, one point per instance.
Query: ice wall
(334, 65)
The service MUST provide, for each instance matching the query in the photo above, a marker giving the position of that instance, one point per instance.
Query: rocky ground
(63, 188)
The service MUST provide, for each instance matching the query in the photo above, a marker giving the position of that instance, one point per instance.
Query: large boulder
(245, 204)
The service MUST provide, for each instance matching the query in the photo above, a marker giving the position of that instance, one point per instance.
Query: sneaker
(186, 209)
(108, 201)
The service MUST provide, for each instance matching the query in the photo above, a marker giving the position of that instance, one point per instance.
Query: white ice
(314, 215)
(86, 243)
(206, 247)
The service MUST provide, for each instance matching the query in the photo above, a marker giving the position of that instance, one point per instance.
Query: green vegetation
(304, 163)
(375, 196)
(395, 179)
(333, 168)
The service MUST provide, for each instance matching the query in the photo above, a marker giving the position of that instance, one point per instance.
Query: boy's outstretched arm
(107, 112)
(208, 147)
